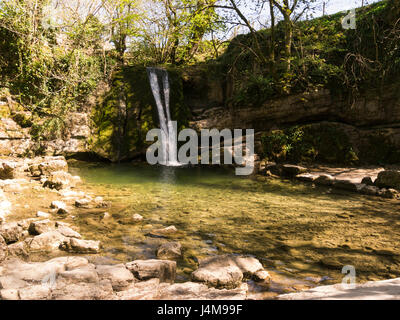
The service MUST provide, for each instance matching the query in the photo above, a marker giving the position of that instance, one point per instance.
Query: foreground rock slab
(374, 290)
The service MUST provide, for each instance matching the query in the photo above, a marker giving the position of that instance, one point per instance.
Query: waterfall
(161, 92)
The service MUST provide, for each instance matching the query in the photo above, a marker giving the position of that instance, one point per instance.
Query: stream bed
(301, 233)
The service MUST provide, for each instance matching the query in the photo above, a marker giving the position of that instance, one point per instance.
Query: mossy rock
(121, 136)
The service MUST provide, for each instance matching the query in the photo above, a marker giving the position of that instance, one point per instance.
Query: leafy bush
(322, 142)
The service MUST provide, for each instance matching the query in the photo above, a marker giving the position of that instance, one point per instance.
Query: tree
(288, 9)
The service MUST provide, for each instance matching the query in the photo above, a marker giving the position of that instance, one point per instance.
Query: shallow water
(297, 231)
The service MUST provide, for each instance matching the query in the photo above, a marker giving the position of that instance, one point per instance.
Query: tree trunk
(288, 41)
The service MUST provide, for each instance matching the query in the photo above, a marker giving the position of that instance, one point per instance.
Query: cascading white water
(168, 129)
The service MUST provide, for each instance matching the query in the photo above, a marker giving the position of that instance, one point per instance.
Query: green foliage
(309, 143)
(48, 78)
(324, 55)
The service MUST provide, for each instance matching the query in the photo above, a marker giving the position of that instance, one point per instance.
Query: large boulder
(3, 249)
(226, 271)
(47, 241)
(164, 270)
(388, 179)
(11, 232)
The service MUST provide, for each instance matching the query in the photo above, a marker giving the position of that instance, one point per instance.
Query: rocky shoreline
(44, 257)
(374, 181)
(71, 274)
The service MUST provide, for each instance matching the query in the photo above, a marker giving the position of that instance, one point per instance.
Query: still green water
(296, 230)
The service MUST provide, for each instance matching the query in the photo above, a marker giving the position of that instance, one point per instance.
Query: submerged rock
(164, 270)
(47, 241)
(169, 251)
(119, 275)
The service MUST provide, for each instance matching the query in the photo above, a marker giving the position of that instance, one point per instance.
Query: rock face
(226, 271)
(14, 140)
(48, 241)
(164, 270)
(388, 179)
(345, 185)
(169, 251)
(3, 249)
